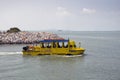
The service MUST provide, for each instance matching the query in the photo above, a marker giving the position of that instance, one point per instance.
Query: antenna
(79, 44)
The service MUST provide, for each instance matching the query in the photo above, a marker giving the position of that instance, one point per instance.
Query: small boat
(54, 47)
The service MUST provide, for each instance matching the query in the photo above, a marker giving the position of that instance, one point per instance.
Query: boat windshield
(54, 43)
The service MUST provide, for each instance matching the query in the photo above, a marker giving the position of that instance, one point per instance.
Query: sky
(75, 15)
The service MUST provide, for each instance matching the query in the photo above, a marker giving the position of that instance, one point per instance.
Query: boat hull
(55, 52)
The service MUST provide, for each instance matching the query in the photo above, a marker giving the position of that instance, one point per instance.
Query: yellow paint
(71, 49)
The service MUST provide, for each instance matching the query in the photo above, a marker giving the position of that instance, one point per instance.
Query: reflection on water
(10, 53)
(46, 67)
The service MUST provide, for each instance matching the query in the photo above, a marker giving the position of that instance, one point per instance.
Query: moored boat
(54, 47)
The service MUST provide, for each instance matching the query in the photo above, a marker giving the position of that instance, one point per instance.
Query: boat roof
(54, 40)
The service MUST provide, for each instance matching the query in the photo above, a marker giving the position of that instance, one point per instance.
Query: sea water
(100, 62)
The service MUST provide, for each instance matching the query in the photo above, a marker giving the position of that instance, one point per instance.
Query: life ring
(31, 48)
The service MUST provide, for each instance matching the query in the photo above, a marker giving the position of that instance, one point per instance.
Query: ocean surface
(100, 62)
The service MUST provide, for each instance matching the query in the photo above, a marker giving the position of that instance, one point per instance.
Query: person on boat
(42, 45)
(54, 45)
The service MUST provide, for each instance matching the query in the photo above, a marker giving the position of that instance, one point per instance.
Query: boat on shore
(54, 47)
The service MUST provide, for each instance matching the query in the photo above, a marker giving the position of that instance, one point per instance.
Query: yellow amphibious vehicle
(53, 47)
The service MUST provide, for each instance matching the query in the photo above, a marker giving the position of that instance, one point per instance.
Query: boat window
(65, 45)
(48, 45)
(45, 45)
(59, 44)
(71, 46)
(75, 46)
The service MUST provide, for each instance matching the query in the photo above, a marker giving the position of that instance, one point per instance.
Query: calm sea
(100, 62)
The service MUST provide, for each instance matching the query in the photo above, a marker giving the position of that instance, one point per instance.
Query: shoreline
(26, 37)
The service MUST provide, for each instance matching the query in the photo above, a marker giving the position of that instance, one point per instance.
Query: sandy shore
(25, 37)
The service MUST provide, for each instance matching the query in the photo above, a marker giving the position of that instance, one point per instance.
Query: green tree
(14, 29)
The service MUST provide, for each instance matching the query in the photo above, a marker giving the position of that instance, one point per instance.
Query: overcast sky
(80, 15)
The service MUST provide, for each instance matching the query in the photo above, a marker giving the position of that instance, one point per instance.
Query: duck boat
(54, 47)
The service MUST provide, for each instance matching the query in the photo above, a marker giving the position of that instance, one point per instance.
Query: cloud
(88, 11)
(61, 11)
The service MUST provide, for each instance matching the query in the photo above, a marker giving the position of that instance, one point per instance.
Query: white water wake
(10, 53)
(20, 53)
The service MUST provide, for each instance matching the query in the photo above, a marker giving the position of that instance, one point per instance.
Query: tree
(14, 29)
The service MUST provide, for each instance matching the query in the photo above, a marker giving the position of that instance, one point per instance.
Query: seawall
(25, 37)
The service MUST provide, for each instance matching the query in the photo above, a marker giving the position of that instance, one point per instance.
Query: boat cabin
(57, 44)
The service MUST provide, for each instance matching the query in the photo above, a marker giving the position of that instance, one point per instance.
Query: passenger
(48, 46)
(58, 45)
(43, 45)
(66, 46)
(54, 45)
